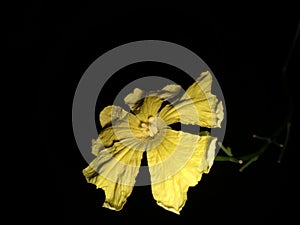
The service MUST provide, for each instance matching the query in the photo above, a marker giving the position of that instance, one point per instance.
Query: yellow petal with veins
(147, 108)
(111, 114)
(114, 170)
(176, 164)
(117, 124)
(119, 150)
(166, 93)
(197, 106)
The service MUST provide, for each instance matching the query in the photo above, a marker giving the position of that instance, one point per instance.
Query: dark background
(245, 46)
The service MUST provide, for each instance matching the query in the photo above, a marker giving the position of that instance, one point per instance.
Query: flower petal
(175, 165)
(209, 156)
(117, 124)
(148, 107)
(115, 170)
(110, 114)
(168, 92)
(132, 98)
(197, 106)
(118, 151)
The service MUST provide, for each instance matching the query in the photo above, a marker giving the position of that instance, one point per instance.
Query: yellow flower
(176, 159)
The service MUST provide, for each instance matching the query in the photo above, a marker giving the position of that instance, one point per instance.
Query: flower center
(150, 128)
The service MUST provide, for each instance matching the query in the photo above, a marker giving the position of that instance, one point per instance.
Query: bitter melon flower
(176, 159)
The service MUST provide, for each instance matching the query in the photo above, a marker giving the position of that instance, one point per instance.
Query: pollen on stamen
(149, 129)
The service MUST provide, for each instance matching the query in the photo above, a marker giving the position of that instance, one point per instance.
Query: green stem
(250, 158)
(226, 150)
(262, 138)
(249, 163)
(228, 159)
(287, 137)
(255, 154)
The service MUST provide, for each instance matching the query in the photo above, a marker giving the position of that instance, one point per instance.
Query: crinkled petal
(114, 170)
(168, 92)
(111, 114)
(197, 106)
(147, 107)
(132, 98)
(118, 151)
(175, 165)
(117, 124)
(209, 156)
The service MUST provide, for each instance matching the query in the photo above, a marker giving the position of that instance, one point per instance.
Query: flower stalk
(247, 160)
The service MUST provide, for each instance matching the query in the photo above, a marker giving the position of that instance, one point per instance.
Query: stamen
(152, 126)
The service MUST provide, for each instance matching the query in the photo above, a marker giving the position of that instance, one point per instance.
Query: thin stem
(287, 137)
(288, 58)
(250, 158)
(248, 163)
(262, 138)
(226, 150)
(269, 140)
(228, 159)
(285, 68)
(255, 154)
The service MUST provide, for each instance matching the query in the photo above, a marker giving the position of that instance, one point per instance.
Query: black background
(244, 45)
